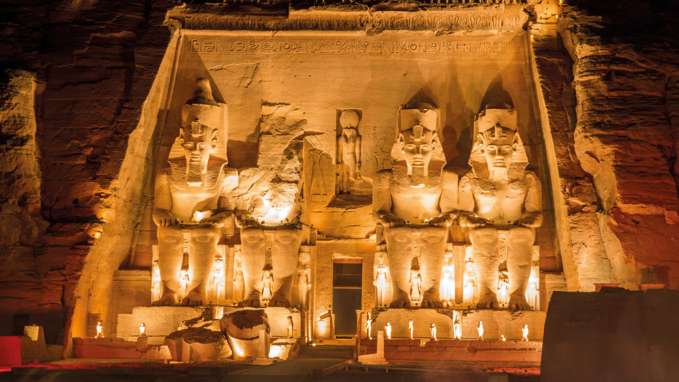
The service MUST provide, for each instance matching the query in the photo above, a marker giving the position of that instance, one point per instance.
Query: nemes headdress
(423, 121)
(201, 114)
(497, 125)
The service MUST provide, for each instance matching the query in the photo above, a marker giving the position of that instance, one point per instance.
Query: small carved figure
(381, 280)
(218, 279)
(238, 281)
(447, 288)
(267, 284)
(500, 202)
(303, 276)
(415, 284)
(291, 327)
(349, 151)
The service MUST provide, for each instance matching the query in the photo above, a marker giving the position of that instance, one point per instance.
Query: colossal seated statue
(269, 209)
(414, 202)
(192, 205)
(500, 205)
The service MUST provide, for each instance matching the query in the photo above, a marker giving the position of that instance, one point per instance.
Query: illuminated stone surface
(597, 117)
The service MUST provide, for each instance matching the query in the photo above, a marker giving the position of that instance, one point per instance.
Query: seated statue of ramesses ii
(192, 207)
(500, 205)
(414, 203)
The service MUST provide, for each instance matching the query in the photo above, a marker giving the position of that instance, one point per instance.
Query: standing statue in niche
(500, 202)
(415, 203)
(192, 201)
(415, 283)
(349, 151)
(381, 278)
(447, 288)
(267, 284)
(349, 179)
(304, 276)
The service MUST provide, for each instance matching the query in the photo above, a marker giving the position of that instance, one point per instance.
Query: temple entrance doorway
(346, 296)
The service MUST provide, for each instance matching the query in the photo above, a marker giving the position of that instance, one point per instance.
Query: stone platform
(495, 322)
(163, 320)
(117, 348)
(489, 352)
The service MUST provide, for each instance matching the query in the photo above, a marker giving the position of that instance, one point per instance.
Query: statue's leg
(519, 258)
(170, 242)
(202, 252)
(484, 242)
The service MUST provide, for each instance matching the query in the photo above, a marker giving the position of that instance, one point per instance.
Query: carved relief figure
(304, 276)
(348, 151)
(447, 288)
(238, 280)
(192, 202)
(500, 202)
(415, 203)
(349, 179)
(415, 283)
(267, 285)
(381, 278)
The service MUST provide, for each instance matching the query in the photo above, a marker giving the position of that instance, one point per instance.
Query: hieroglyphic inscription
(346, 47)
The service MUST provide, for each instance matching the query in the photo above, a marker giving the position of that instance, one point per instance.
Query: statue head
(202, 123)
(198, 142)
(349, 119)
(418, 142)
(498, 151)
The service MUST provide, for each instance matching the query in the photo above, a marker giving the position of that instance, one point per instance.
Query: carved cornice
(455, 19)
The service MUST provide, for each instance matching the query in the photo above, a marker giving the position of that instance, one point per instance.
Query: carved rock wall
(616, 149)
(583, 255)
(94, 63)
(20, 222)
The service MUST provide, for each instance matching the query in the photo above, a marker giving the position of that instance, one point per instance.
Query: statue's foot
(194, 298)
(428, 303)
(400, 303)
(251, 301)
(278, 301)
(168, 298)
(487, 301)
(517, 301)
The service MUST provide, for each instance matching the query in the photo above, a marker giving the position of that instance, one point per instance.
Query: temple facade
(319, 173)
(343, 180)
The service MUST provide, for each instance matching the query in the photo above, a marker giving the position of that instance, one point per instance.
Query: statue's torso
(186, 199)
(348, 149)
(500, 202)
(415, 204)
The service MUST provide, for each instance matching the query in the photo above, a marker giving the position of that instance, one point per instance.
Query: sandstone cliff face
(92, 65)
(20, 222)
(624, 144)
(583, 255)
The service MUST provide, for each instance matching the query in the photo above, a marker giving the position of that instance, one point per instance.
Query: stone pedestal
(495, 322)
(163, 320)
(487, 352)
(117, 348)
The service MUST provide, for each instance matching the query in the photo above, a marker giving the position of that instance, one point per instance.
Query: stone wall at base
(611, 336)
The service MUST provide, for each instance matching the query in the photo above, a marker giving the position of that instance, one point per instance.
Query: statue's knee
(483, 236)
(522, 235)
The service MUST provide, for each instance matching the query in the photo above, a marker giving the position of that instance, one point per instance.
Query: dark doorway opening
(346, 297)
